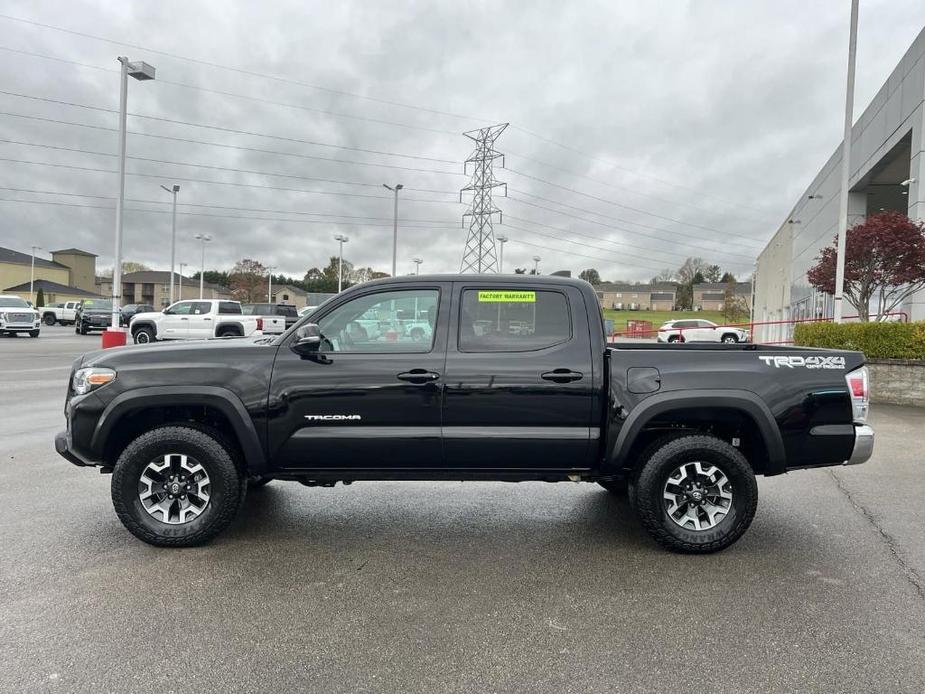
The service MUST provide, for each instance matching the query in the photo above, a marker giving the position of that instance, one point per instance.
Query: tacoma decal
(333, 417)
(804, 362)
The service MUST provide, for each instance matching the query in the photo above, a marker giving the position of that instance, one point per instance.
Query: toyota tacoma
(513, 381)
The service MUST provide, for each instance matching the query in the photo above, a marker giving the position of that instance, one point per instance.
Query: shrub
(40, 298)
(876, 340)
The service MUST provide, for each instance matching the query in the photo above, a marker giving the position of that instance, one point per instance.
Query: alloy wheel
(697, 496)
(174, 488)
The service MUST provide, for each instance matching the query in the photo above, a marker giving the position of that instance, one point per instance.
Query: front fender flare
(743, 400)
(222, 399)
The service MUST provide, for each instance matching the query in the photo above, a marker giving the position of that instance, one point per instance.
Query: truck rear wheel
(176, 486)
(695, 494)
(49, 319)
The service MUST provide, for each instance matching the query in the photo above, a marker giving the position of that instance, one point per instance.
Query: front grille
(20, 317)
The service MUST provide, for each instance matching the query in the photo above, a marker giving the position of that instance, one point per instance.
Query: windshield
(13, 302)
(96, 305)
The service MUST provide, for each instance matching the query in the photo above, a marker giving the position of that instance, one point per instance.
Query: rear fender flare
(221, 399)
(742, 400)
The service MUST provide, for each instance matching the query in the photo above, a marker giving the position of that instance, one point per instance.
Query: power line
(660, 198)
(219, 183)
(243, 71)
(227, 130)
(220, 168)
(235, 147)
(610, 226)
(222, 216)
(627, 207)
(237, 95)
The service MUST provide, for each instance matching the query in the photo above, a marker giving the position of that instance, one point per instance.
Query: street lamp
(398, 187)
(341, 240)
(32, 274)
(180, 279)
(204, 238)
(140, 71)
(536, 264)
(270, 269)
(417, 265)
(173, 234)
(502, 239)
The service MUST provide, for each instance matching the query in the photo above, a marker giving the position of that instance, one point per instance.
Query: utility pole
(536, 264)
(417, 265)
(341, 240)
(479, 253)
(204, 238)
(502, 239)
(270, 270)
(140, 71)
(32, 275)
(173, 235)
(398, 187)
(180, 292)
(845, 168)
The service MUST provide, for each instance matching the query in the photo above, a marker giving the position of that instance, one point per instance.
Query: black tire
(661, 460)
(82, 330)
(675, 338)
(258, 482)
(33, 333)
(144, 336)
(730, 339)
(227, 486)
(615, 487)
(229, 332)
(49, 319)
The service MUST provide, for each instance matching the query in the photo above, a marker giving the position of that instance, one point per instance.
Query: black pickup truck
(460, 377)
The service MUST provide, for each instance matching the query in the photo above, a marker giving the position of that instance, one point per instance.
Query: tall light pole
(204, 238)
(341, 240)
(180, 279)
(536, 264)
(398, 187)
(417, 265)
(173, 234)
(32, 275)
(502, 239)
(140, 71)
(845, 167)
(270, 269)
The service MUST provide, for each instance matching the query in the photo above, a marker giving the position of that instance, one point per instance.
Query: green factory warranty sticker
(496, 296)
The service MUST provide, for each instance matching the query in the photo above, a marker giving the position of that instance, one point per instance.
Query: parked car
(699, 330)
(683, 430)
(18, 316)
(129, 310)
(193, 320)
(63, 313)
(275, 316)
(93, 314)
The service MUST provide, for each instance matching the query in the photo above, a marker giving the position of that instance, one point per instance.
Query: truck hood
(179, 352)
(151, 315)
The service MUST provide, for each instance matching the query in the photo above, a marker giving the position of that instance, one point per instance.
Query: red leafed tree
(248, 281)
(884, 258)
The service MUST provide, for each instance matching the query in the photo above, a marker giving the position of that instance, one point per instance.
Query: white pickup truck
(193, 320)
(63, 313)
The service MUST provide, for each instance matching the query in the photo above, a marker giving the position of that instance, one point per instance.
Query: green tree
(713, 273)
(727, 276)
(689, 274)
(590, 275)
(520, 271)
(735, 306)
(40, 298)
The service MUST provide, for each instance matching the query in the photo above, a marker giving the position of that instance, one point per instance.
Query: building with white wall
(887, 149)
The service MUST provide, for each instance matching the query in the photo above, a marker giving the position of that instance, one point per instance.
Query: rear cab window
(513, 320)
(228, 307)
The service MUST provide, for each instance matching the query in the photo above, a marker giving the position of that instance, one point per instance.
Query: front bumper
(863, 445)
(63, 447)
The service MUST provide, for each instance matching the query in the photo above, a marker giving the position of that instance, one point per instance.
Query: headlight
(91, 378)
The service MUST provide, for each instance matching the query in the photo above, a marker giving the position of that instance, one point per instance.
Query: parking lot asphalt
(451, 587)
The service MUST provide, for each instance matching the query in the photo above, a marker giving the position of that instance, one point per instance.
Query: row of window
(489, 321)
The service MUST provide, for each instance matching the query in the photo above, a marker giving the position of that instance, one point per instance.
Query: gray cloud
(738, 104)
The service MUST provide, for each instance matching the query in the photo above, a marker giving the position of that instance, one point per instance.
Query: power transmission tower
(479, 254)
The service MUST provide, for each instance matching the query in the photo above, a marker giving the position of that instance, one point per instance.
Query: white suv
(697, 330)
(17, 316)
(194, 320)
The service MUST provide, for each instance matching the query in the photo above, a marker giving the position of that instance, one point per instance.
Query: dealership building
(887, 173)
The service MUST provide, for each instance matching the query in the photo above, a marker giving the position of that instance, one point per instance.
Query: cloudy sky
(640, 133)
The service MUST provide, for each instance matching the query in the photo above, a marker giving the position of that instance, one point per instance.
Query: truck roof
(484, 279)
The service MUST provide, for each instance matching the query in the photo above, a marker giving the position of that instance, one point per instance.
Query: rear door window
(504, 320)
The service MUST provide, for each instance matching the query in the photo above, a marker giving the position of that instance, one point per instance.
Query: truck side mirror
(307, 339)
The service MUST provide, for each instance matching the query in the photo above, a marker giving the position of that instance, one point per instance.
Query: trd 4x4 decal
(804, 362)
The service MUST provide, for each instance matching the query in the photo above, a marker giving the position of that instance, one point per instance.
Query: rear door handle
(562, 376)
(184, 319)
(418, 376)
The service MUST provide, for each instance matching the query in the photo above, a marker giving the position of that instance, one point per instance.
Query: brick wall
(897, 381)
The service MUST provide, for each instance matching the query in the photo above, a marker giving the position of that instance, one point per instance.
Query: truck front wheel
(143, 336)
(695, 494)
(176, 486)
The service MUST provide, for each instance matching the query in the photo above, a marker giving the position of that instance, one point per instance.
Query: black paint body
(487, 416)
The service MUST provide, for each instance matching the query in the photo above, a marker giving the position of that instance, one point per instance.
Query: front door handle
(418, 376)
(562, 376)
